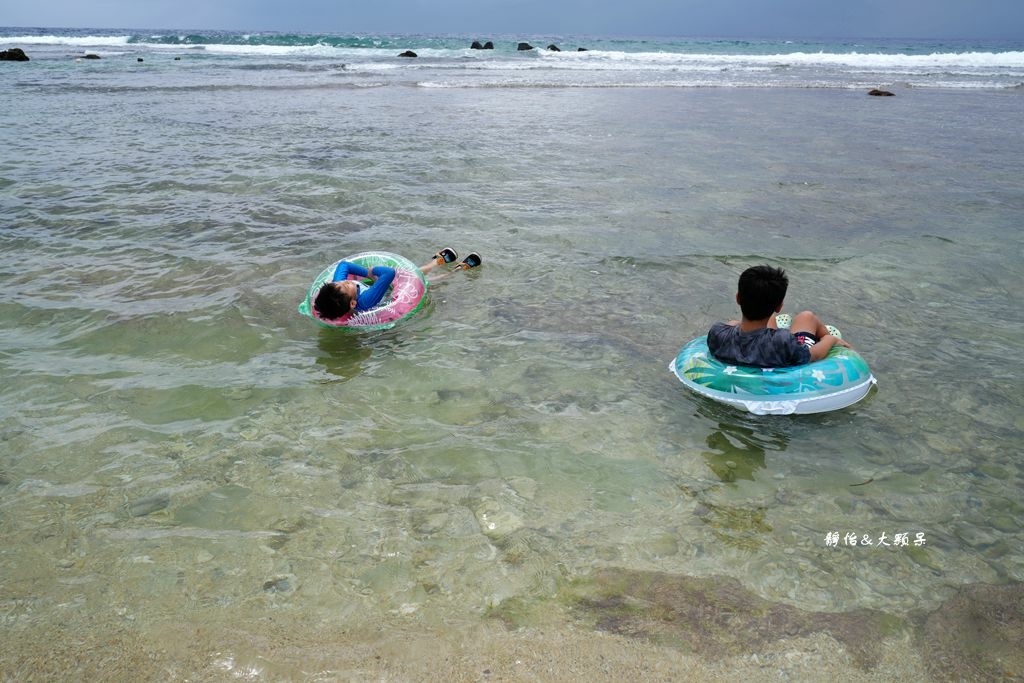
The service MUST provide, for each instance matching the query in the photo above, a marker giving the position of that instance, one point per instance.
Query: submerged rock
(90, 55)
(976, 635)
(525, 487)
(282, 583)
(973, 636)
(495, 521)
(408, 53)
(880, 93)
(148, 505)
(15, 54)
(715, 616)
(284, 529)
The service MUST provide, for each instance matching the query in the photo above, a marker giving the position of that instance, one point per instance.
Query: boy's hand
(824, 345)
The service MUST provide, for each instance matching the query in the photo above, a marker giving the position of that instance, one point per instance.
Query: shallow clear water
(178, 444)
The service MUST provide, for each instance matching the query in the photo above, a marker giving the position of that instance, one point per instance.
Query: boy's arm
(372, 296)
(346, 268)
(824, 345)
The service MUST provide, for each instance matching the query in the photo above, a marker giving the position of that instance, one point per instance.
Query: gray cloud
(1003, 19)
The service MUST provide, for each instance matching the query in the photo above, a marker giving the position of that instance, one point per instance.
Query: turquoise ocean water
(179, 446)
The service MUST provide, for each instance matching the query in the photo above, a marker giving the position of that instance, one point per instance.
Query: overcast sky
(1001, 19)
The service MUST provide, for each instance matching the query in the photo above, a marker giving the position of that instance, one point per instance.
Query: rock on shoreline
(522, 47)
(15, 54)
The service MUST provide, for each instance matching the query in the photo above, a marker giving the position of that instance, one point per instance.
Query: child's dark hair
(330, 303)
(761, 290)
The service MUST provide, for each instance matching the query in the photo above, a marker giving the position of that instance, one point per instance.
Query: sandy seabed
(196, 653)
(615, 625)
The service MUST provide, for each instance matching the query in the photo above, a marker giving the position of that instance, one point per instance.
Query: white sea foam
(68, 40)
(277, 50)
(851, 59)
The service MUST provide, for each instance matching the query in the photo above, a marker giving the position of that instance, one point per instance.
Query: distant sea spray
(449, 61)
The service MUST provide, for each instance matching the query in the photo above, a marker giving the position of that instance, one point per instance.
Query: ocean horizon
(197, 482)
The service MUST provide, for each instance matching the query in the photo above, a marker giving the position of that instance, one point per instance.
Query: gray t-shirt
(764, 348)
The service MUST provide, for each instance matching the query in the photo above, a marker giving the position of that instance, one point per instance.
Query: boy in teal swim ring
(341, 295)
(756, 340)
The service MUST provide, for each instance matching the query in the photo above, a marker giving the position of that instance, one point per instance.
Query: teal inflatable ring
(840, 379)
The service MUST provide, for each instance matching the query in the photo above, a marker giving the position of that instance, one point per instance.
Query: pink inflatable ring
(408, 292)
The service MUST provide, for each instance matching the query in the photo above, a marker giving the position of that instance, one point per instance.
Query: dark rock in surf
(488, 45)
(879, 93)
(408, 53)
(553, 48)
(90, 56)
(524, 46)
(15, 54)
(139, 59)
(581, 49)
(476, 45)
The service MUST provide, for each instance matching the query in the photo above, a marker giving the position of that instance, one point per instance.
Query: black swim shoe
(471, 261)
(447, 255)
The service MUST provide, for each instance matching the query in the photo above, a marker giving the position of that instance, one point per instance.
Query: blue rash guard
(368, 296)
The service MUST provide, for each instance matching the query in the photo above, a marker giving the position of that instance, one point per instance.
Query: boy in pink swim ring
(341, 295)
